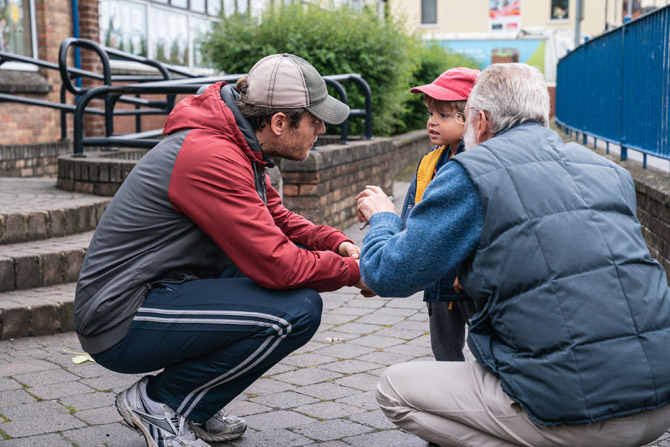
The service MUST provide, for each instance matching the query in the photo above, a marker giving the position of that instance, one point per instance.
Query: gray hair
(511, 94)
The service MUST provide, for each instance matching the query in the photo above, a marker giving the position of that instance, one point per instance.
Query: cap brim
(330, 110)
(439, 93)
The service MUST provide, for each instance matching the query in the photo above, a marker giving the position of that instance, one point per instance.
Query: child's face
(444, 125)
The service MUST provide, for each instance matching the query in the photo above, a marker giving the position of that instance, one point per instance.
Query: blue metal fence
(616, 87)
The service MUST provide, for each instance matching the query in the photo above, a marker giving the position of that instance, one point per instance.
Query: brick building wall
(22, 124)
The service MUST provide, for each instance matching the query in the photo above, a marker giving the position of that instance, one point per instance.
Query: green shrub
(335, 41)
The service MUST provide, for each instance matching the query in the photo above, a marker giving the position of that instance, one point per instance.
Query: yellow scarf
(426, 171)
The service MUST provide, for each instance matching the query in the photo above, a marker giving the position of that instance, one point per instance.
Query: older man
(572, 327)
(196, 267)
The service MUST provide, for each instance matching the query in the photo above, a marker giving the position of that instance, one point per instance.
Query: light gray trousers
(462, 404)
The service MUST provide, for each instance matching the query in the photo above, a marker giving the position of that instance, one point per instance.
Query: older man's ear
(483, 127)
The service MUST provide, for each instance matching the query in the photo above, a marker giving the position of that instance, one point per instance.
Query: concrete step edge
(48, 262)
(36, 312)
(46, 224)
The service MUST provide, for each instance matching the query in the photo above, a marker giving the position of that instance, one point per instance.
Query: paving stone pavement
(322, 394)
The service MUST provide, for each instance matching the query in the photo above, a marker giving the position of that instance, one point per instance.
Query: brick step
(48, 262)
(35, 312)
(34, 209)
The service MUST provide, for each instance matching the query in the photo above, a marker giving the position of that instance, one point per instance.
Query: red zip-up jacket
(195, 204)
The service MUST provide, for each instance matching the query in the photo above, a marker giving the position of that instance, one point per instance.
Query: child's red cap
(452, 85)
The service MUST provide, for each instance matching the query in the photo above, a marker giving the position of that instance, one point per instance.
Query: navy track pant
(213, 337)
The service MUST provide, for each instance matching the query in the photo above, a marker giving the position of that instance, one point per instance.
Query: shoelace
(185, 431)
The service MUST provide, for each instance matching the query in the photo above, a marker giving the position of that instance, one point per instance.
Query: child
(445, 98)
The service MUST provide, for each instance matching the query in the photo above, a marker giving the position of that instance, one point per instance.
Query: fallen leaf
(78, 359)
(81, 357)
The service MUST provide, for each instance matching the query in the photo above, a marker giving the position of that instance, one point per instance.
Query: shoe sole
(129, 417)
(208, 437)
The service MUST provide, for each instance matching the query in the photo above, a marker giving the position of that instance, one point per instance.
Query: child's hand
(457, 286)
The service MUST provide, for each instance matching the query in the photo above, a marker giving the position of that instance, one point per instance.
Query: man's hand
(371, 201)
(349, 250)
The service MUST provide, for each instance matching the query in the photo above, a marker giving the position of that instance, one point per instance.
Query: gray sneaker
(220, 427)
(160, 425)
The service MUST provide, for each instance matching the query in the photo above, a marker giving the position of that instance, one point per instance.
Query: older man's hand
(371, 201)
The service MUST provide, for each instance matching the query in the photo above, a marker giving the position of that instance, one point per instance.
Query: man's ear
(278, 123)
(483, 127)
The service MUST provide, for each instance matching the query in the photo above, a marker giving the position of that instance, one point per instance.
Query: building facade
(440, 17)
(537, 32)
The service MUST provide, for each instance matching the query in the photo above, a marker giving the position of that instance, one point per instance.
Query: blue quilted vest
(574, 314)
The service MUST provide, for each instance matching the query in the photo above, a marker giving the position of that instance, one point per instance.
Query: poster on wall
(493, 51)
(504, 15)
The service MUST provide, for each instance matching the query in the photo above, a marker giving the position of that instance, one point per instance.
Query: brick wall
(653, 209)
(32, 160)
(89, 28)
(322, 188)
(100, 173)
(23, 124)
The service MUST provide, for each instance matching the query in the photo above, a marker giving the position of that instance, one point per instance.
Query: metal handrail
(366, 113)
(168, 87)
(150, 84)
(190, 85)
(106, 77)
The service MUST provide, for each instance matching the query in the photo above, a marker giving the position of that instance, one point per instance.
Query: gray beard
(470, 139)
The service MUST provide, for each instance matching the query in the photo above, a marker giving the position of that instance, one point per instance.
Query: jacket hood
(215, 110)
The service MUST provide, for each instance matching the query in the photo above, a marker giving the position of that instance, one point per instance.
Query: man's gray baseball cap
(286, 81)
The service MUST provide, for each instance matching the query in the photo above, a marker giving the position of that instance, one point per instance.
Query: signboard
(504, 15)
(491, 51)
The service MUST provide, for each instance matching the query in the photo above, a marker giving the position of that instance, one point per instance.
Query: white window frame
(13, 65)
(553, 21)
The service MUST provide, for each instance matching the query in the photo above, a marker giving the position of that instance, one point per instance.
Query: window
(123, 25)
(238, 6)
(560, 9)
(213, 7)
(169, 36)
(166, 30)
(428, 12)
(198, 6)
(16, 27)
(199, 29)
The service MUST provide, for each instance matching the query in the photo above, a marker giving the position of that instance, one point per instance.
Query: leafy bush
(336, 41)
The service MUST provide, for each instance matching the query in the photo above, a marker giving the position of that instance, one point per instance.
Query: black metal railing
(160, 82)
